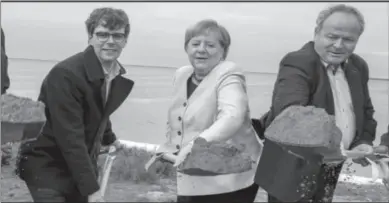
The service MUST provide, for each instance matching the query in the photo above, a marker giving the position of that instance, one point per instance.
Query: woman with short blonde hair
(210, 101)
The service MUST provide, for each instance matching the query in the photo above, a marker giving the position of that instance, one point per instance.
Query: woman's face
(204, 52)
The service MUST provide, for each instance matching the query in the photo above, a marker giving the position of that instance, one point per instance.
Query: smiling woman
(206, 44)
(210, 102)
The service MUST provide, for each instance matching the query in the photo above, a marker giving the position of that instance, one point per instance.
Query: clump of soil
(212, 158)
(15, 109)
(309, 127)
(6, 154)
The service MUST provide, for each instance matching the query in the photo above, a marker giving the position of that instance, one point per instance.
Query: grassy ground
(129, 182)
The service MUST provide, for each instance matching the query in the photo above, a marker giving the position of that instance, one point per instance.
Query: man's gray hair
(324, 14)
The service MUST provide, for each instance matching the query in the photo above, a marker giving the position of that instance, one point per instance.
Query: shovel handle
(103, 179)
(169, 157)
(166, 157)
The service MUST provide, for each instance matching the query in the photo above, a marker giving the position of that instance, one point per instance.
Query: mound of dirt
(309, 127)
(15, 109)
(212, 158)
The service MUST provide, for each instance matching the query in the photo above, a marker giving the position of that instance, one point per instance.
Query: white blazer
(218, 109)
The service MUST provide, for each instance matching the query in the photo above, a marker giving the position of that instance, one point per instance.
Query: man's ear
(89, 38)
(125, 41)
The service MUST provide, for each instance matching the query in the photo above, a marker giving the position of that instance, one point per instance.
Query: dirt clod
(6, 154)
(15, 109)
(307, 126)
(211, 158)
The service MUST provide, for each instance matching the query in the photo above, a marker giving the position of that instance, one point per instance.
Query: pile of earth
(15, 109)
(308, 127)
(16, 112)
(215, 158)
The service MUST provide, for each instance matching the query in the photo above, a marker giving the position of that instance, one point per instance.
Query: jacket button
(179, 132)
(184, 104)
(178, 146)
(179, 118)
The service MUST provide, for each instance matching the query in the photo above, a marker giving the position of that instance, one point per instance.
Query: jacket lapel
(199, 89)
(120, 89)
(120, 86)
(95, 75)
(211, 77)
(322, 82)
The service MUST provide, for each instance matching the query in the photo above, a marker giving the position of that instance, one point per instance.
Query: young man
(80, 93)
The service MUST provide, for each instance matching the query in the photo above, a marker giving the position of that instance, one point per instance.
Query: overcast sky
(259, 31)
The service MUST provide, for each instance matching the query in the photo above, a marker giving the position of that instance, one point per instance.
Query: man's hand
(365, 149)
(381, 149)
(96, 197)
(118, 145)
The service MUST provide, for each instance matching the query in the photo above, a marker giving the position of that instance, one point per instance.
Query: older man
(325, 73)
(80, 93)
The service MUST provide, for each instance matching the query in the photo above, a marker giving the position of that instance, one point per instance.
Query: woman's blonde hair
(206, 26)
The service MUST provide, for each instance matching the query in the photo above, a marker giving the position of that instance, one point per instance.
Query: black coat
(64, 156)
(302, 80)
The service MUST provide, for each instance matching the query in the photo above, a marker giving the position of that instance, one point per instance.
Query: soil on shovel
(15, 109)
(307, 127)
(211, 158)
(21, 118)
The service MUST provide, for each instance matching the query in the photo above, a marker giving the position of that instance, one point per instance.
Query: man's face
(108, 44)
(337, 38)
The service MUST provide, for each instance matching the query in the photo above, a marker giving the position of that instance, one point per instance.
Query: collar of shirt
(327, 66)
(113, 72)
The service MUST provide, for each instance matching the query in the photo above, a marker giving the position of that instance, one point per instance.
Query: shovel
(164, 152)
(160, 156)
(103, 179)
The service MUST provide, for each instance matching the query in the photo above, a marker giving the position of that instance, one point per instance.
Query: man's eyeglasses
(104, 36)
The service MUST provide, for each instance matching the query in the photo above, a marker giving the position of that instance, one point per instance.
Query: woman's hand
(182, 154)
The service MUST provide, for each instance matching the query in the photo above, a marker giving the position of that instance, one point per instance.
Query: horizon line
(168, 67)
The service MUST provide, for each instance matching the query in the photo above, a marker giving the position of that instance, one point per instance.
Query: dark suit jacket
(302, 80)
(4, 66)
(64, 155)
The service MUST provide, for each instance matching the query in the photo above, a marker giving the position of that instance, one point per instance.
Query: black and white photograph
(194, 101)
